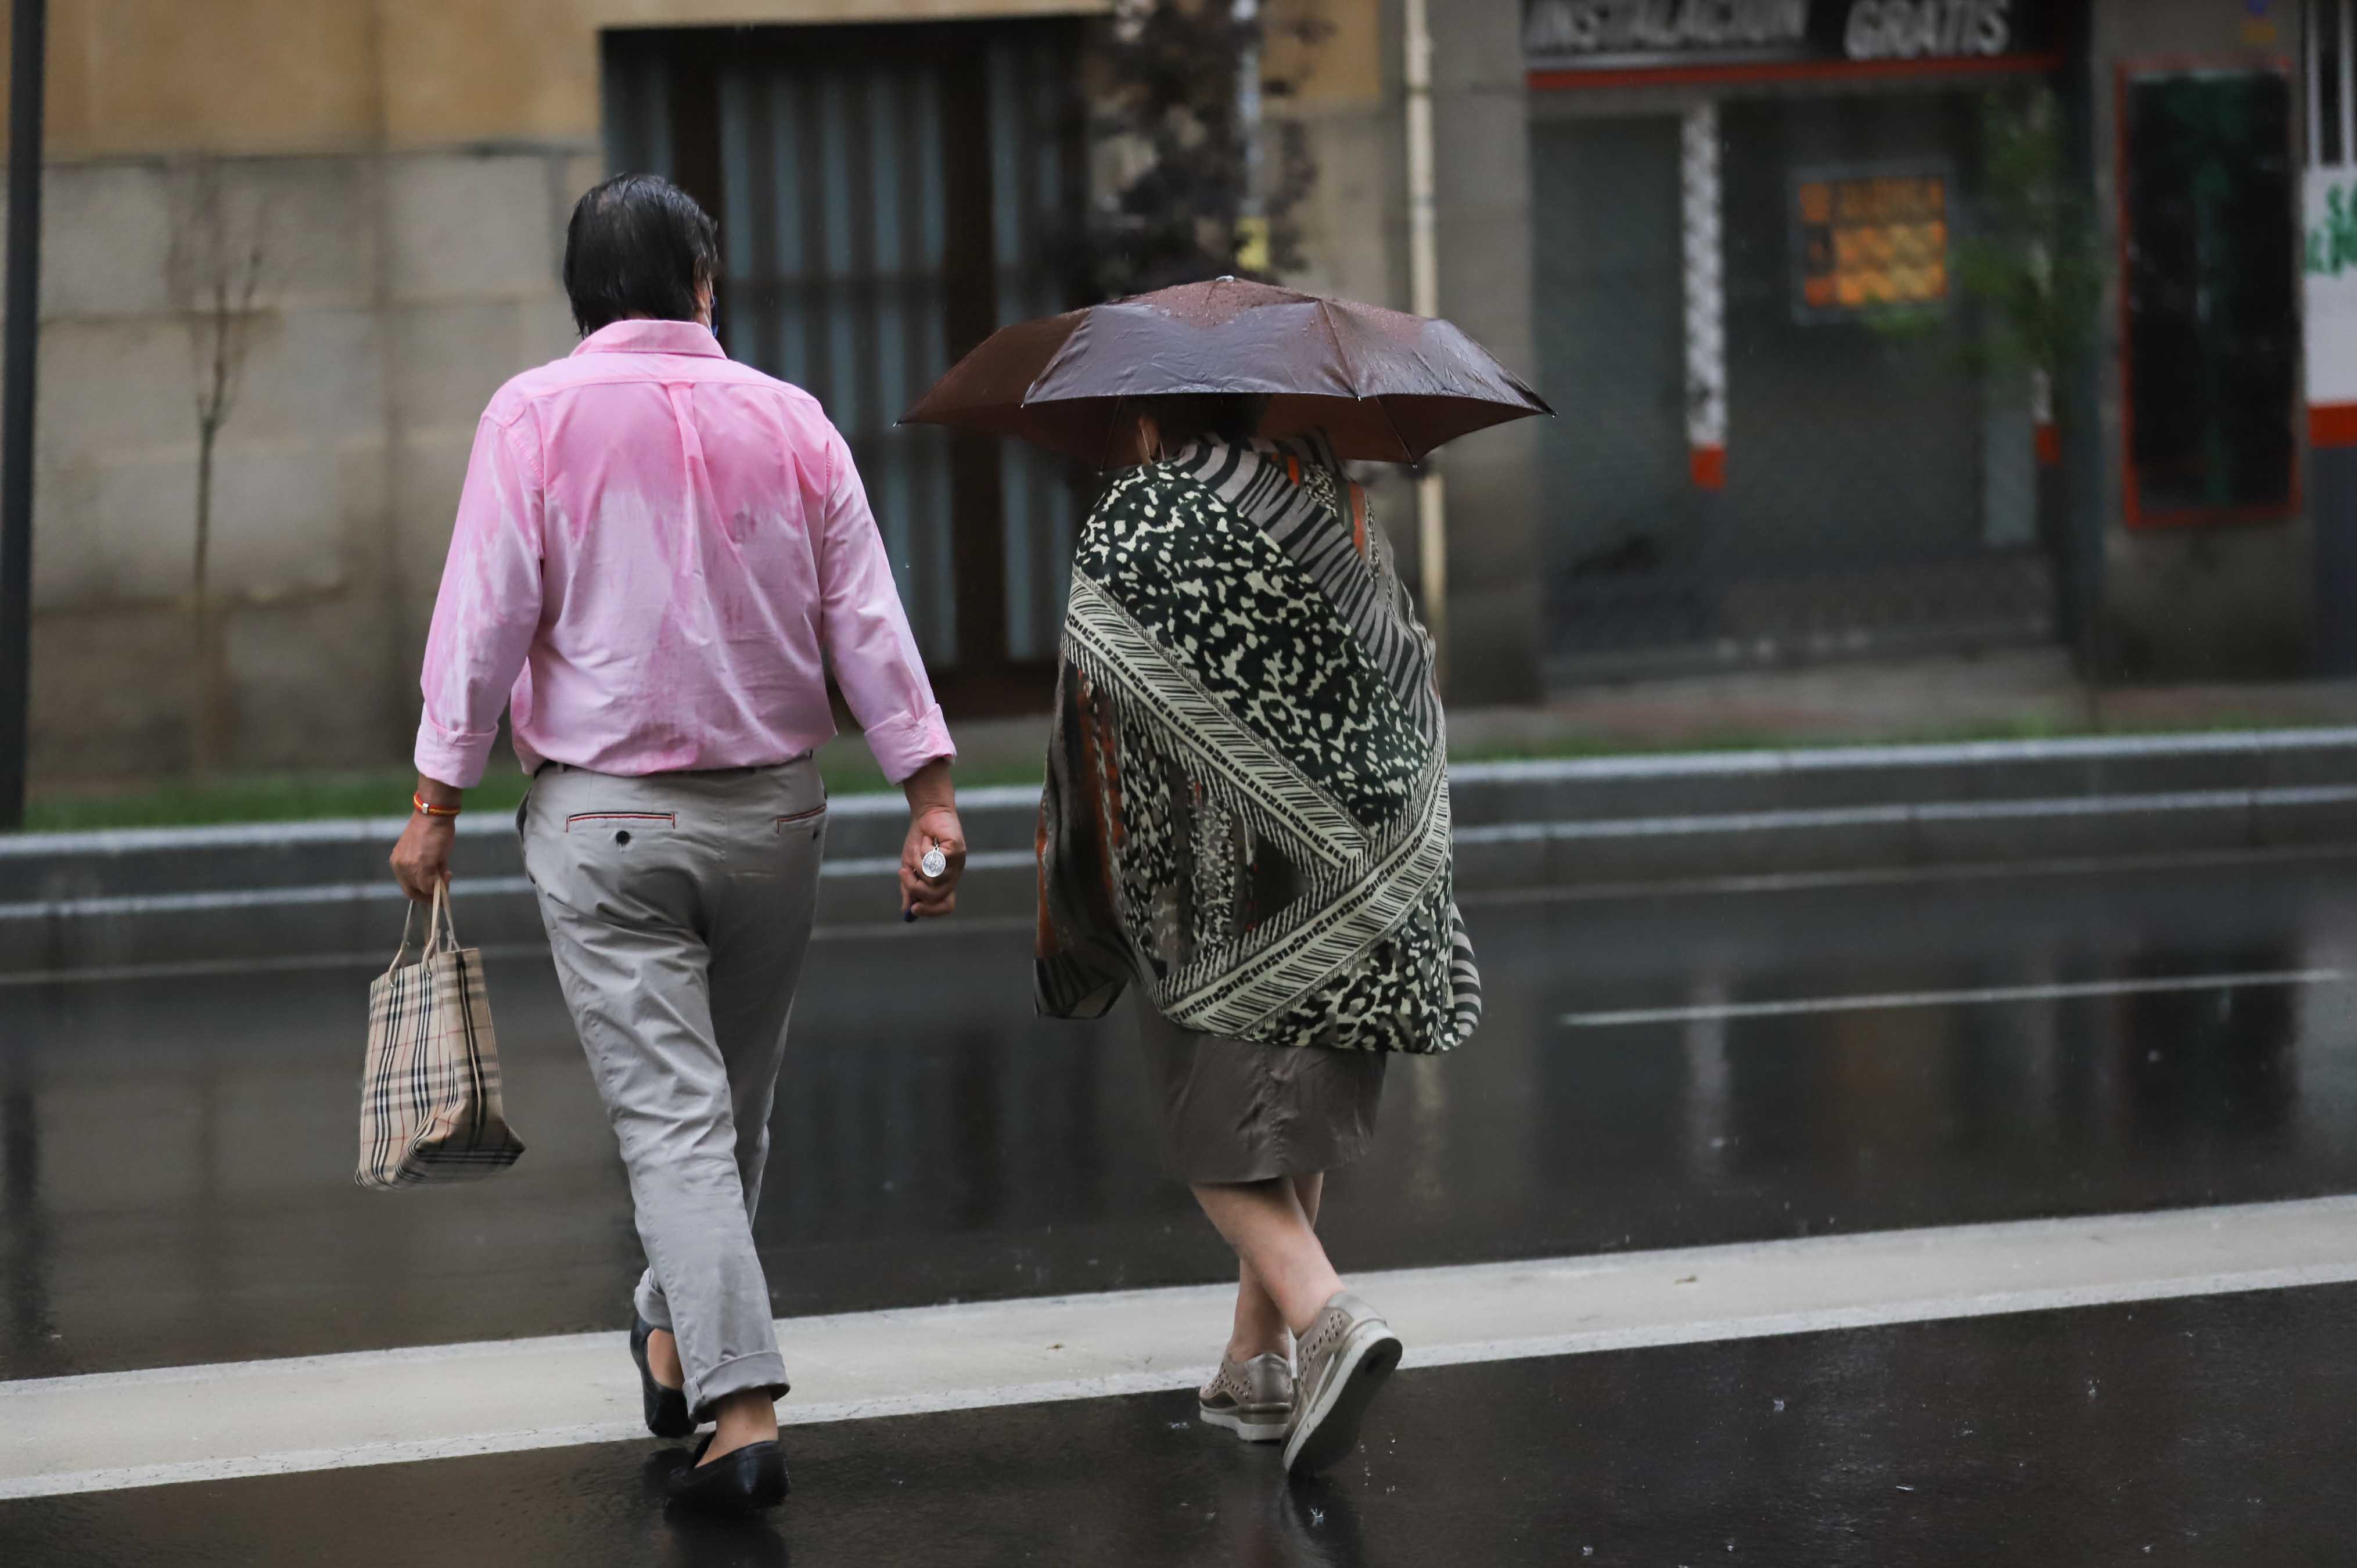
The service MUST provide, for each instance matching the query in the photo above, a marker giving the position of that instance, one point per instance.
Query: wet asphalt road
(175, 1162)
(178, 1153)
(2210, 1432)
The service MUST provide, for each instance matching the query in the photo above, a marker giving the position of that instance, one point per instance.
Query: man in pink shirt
(658, 555)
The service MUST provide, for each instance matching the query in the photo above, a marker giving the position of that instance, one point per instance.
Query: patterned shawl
(1247, 799)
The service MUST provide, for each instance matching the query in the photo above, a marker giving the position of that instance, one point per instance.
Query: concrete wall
(1353, 221)
(2188, 601)
(1482, 131)
(1355, 230)
(277, 76)
(399, 291)
(413, 162)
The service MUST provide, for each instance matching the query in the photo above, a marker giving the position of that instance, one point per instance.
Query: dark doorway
(888, 196)
(2212, 316)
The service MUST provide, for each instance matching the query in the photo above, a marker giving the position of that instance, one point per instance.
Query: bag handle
(444, 937)
(438, 926)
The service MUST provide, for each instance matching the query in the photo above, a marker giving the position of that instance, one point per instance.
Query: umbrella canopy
(1385, 386)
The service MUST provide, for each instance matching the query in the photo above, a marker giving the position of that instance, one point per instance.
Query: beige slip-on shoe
(1345, 1358)
(1251, 1399)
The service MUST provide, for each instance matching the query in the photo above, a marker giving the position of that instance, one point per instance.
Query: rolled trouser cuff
(649, 1303)
(764, 1370)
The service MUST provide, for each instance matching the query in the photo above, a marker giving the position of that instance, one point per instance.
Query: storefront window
(2209, 269)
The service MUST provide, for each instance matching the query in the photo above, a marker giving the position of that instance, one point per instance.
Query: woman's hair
(638, 245)
(1184, 418)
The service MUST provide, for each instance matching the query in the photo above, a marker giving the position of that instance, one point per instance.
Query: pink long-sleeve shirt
(658, 552)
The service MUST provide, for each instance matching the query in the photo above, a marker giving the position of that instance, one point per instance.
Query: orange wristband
(419, 801)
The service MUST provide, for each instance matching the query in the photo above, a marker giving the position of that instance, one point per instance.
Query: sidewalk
(2028, 694)
(2022, 696)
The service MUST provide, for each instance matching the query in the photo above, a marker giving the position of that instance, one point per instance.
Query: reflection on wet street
(176, 1153)
(174, 1159)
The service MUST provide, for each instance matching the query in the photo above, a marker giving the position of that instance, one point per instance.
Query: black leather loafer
(744, 1481)
(666, 1408)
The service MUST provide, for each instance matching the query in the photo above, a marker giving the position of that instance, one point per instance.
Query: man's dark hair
(638, 245)
(1184, 418)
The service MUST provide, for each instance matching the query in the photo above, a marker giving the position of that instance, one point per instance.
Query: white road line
(108, 1431)
(1980, 996)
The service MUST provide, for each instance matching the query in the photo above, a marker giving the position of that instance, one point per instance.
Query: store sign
(1869, 240)
(2331, 290)
(1638, 35)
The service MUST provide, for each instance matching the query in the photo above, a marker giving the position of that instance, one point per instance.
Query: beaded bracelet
(419, 801)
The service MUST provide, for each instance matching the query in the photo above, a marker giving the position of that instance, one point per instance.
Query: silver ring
(935, 863)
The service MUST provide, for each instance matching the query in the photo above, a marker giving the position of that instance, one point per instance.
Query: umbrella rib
(1054, 359)
(1406, 449)
(1325, 314)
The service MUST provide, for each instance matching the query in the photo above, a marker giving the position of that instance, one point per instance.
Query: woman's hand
(932, 825)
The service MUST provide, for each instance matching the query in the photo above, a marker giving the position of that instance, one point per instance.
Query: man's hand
(937, 827)
(421, 861)
(932, 825)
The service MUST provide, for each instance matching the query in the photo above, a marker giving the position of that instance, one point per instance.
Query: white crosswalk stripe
(113, 1430)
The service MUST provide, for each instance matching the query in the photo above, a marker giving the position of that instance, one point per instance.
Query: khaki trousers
(678, 909)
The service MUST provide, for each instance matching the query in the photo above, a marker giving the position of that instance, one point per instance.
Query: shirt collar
(652, 338)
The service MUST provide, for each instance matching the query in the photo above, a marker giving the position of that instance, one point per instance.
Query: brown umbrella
(1385, 386)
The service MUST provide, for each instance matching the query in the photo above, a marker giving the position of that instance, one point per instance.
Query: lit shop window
(1868, 242)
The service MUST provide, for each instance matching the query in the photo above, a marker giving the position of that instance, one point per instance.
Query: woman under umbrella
(1246, 812)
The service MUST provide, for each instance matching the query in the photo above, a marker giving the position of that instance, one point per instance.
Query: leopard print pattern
(1210, 586)
(1398, 999)
(1149, 867)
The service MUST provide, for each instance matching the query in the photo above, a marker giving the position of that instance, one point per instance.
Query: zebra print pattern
(1311, 522)
(1464, 978)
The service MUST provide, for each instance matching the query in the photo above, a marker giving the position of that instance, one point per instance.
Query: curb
(127, 899)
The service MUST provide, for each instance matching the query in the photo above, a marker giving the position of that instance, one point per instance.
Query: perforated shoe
(1251, 1399)
(1345, 1358)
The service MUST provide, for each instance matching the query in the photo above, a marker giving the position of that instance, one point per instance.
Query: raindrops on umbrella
(1385, 386)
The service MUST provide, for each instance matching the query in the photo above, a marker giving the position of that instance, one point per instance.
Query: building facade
(396, 179)
(1928, 326)
(1873, 326)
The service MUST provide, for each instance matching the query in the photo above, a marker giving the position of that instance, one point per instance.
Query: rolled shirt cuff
(457, 757)
(906, 744)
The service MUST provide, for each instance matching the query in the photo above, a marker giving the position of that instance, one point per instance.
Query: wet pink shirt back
(658, 552)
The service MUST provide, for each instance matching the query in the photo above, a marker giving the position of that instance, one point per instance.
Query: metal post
(28, 43)
(1252, 237)
(1424, 282)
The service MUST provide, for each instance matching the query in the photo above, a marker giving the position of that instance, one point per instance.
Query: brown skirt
(1232, 1111)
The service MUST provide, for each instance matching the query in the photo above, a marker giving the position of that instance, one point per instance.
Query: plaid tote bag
(430, 1092)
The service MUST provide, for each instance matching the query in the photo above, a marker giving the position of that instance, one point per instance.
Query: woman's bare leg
(1260, 1328)
(738, 1419)
(1286, 1278)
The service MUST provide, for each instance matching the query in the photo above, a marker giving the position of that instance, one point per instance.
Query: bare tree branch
(216, 266)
